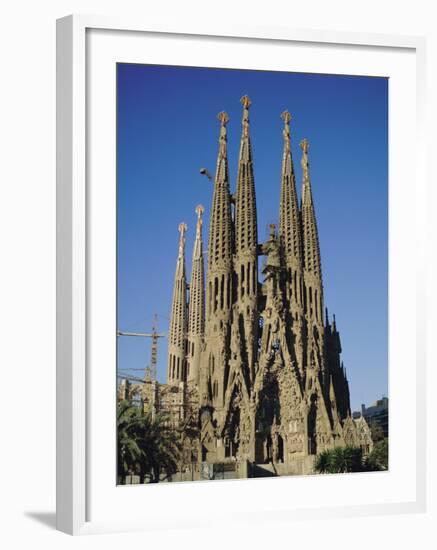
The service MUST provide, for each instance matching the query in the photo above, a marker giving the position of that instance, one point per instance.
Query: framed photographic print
(239, 275)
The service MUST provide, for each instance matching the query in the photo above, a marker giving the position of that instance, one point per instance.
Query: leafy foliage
(376, 431)
(128, 450)
(378, 458)
(147, 445)
(351, 459)
(340, 460)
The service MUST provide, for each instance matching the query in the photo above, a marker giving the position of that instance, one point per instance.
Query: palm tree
(349, 459)
(322, 463)
(128, 451)
(340, 460)
(161, 447)
(147, 444)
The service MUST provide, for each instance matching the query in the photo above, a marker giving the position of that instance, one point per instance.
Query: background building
(377, 412)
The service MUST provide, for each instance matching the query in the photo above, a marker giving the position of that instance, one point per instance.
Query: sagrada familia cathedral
(258, 362)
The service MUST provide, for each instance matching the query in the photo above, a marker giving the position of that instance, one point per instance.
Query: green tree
(340, 460)
(378, 458)
(376, 431)
(147, 445)
(129, 453)
(322, 464)
(161, 446)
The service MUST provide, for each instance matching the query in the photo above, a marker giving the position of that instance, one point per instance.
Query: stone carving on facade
(269, 374)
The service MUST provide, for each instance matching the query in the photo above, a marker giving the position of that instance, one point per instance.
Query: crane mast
(150, 370)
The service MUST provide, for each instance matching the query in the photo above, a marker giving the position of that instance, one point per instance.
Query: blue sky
(167, 130)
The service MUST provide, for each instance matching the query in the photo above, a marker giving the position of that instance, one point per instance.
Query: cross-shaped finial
(199, 211)
(304, 145)
(245, 101)
(182, 228)
(223, 117)
(286, 117)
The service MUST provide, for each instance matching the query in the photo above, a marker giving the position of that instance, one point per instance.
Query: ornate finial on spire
(182, 228)
(199, 211)
(304, 145)
(223, 117)
(286, 117)
(245, 101)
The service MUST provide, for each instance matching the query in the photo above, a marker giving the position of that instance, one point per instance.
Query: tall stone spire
(246, 238)
(290, 233)
(289, 215)
(246, 248)
(212, 372)
(196, 311)
(176, 371)
(220, 235)
(313, 287)
(220, 229)
(311, 248)
(290, 238)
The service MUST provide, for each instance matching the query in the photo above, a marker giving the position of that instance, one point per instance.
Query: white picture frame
(74, 464)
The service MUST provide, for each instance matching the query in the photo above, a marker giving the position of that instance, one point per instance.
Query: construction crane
(150, 371)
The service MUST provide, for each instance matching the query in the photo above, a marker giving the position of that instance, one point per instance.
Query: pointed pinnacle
(304, 145)
(199, 211)
(182, 228)
(223, 117)
(245, 101)
(286, 117)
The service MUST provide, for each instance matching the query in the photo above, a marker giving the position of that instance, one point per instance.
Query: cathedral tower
(290, 237)
(196, 312)
(219, 282)
(176, 370)
(290, 234)
(313, 286)
(246, 250)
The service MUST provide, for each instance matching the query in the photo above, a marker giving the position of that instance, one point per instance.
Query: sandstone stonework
(259, 360)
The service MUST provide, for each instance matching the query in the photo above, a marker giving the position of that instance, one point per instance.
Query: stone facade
(260, 359)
